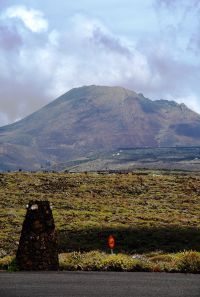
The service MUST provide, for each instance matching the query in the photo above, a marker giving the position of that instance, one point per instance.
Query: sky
(49, 47)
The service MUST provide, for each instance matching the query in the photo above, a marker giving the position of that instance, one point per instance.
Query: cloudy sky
(48, 47)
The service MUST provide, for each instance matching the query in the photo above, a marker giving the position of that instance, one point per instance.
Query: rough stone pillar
(38, 242)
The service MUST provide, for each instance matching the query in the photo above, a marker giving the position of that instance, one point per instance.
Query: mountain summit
(94, 119)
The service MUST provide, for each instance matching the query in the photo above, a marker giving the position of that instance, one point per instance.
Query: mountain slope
(95, 119)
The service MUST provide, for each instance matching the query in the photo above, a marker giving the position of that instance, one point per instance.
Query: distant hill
(95, 119)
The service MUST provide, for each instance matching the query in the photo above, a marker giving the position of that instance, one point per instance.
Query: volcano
(95, 119)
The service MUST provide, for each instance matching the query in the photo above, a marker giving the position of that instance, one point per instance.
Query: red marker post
(111, 243)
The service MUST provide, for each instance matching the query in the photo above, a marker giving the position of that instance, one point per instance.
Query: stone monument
(38, 242)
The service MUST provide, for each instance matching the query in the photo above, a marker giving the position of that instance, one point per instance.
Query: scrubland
(154, 216)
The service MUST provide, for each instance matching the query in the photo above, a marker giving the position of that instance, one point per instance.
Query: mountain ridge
(93, 119)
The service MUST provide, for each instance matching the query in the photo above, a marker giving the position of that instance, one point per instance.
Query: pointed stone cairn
(38, 242)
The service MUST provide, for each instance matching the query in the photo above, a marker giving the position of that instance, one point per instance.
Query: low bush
(189, 261)
(6, 262)
(99, 261)
(70, 261)
(162, 258)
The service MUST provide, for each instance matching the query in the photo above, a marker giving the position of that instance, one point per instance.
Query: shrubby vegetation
(187, 262)
(99, 261)
(145, 211)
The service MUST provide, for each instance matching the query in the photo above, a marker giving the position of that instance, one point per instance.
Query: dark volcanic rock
(38, 243)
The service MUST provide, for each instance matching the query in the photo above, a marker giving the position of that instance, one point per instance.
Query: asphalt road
(98, 284)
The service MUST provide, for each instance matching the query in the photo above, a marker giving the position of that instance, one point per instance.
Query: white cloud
(86, 53)
(84, 26)
(3, 119)
(32, 19)
(192, 101)
(36, 68)
(90, 54)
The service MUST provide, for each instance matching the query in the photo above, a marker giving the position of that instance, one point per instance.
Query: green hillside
(146, 211)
